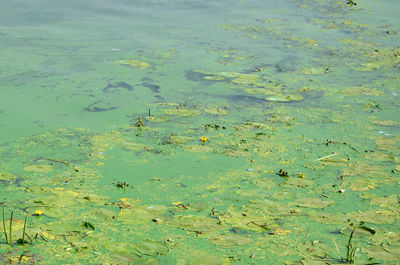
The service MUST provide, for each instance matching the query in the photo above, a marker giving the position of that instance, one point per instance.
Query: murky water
(200, 132)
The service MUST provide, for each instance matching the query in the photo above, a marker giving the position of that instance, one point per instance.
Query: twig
(322, 158)
(337, 249)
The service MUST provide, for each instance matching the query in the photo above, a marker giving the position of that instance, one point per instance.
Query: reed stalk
(11, 219)
(23, 232)
(4, 226)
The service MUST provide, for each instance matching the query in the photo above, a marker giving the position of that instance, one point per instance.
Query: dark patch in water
(158, 97)
(111, 87)
(243, 98)
(154, 88)
(146, 79)
(199, 77)
(93, 108)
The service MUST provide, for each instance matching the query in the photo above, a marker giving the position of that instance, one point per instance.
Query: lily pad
(152, 248)
(38, 168)
(264, 183)
(7, 176)
(134, 63)
(157, 118)
(216, 111)
(130, 146)
(207, 259)
(374, 216)
(381, 157)
(392, 247)
(284, 98)
(297, 183)
(313, 249)
(313, 203)
(327, 218)
(363, 184)
(388, 143)
(140, 215)
(101, 214)
(358, 232)
(54, 212)
(176, 139)
(214, 77)
(198, 148)
(182, 112)
(61, 228)
(385, 122)
(229, 240)
(123, 252)
(380, 253)
(195, 223)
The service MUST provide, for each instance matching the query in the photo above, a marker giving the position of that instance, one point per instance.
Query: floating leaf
(38, 168)
(236, 152)
(198, 148)
(195, 223)
(61, 228)
(229, 240)
(216, 111)
(327, 218)
(134, 146)
(296, 183)
(7, 176)
(316, 249)
(134, 63)
(207, 259)
(392, 247)
(374, 216)
(284, 98)
(313, 203)
(141, 214)
(380, 156)
(152, 248)
(363, 184)
(264, 183)
(101, 214)
(388, 143)
(182, 112)
(379, 253)
(176, 139)
(357, 90)
(386, 201)
(123, 252)
(385, 122)
(360, 231)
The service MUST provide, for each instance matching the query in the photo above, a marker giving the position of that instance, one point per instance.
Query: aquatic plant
(4, 226)
(351, 250)
(23, 231)
(9, 237)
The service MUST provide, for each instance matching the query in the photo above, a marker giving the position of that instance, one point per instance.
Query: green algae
(273, 95)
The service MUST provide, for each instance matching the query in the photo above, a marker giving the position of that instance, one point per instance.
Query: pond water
(200, 132)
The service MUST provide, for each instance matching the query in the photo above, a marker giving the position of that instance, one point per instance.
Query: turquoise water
(161, 132)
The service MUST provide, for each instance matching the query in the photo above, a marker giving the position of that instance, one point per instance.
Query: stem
(23, 233)
(4, 226)
(11, 219)
(349, 245)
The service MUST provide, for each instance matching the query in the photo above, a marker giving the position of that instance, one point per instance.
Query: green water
(200, 132)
